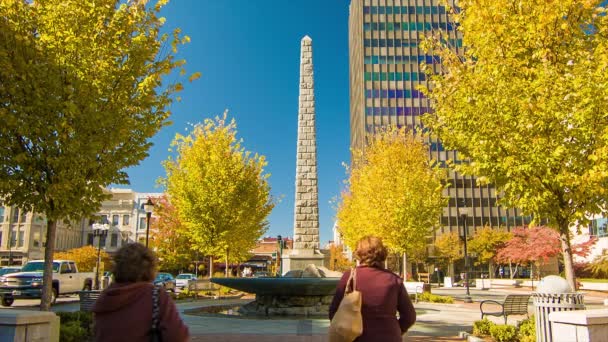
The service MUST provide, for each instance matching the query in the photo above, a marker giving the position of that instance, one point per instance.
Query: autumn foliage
(169, 239)
(85, 258)
(530, 245)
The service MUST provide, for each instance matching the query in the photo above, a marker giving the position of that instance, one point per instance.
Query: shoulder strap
(351, 284)
(155, 308)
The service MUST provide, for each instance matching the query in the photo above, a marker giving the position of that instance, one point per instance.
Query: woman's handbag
(347, 323)
(155, 334)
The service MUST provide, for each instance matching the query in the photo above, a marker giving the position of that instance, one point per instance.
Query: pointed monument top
(306, 37)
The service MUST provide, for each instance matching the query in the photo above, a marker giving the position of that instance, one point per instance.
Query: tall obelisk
(306, 216)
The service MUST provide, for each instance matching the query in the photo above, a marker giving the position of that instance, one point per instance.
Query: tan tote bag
(347, 324)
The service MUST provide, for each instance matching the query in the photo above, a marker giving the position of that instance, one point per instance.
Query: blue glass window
(441, 10)
(374, 9)
(381, 10)
(367, 27)
(389, 10)
(365, 9)
(397, 9)
(369, 110)
(381, 26)
(382, 60)
(390, 26)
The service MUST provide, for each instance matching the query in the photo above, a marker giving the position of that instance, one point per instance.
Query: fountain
(299, 293)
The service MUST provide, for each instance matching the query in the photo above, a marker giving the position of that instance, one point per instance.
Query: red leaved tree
(533, 245)
(168, 238)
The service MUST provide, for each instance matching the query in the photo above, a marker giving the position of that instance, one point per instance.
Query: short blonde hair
(371, 251)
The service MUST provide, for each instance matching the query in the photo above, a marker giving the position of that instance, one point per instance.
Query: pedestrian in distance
(383, 295)
(132, 309)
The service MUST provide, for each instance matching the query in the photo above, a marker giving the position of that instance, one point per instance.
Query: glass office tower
(385, 57)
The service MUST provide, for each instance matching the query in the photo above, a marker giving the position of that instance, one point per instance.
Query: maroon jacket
(123, 312)
(383, 296)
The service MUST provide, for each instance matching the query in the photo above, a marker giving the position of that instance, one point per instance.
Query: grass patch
(592, 280)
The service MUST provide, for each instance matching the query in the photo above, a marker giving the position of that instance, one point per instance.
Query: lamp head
(149, 206)
(279, 238)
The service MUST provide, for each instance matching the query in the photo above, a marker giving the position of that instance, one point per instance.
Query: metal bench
(511, 305)
(414, 287)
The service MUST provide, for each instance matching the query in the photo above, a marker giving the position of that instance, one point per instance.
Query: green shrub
(75, 326)
(482, 327)
(503, 333)
(527, 330)
(72, 332)
(433, 298)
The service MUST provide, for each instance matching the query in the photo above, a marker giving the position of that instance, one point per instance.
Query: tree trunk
(490, 269)
(227, 266)
(210, 266)
(404, 266)
(564, 237)
(47, 276)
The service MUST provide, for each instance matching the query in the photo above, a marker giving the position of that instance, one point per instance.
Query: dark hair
(371, 251)
(134, 263)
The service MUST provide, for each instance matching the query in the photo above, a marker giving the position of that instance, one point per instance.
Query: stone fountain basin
(281, 286)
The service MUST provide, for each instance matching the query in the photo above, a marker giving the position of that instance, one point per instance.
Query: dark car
(166, 281)
(9, 270)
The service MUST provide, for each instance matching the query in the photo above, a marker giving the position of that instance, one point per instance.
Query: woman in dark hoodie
(123, 312)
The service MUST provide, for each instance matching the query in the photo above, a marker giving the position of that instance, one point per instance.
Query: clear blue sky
(248, 54)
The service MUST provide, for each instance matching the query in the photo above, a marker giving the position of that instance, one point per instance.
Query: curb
(469, 337)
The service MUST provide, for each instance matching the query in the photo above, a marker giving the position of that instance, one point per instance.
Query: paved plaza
(436, 322)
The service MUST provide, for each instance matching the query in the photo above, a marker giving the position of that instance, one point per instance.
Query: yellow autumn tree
(448, 247)
(220, 191)
(85, 258)
(337, 260)
(486, 243)
(524, 100)
(82, 92)
(394, 191)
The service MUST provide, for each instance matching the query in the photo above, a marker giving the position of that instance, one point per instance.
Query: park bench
(511, 305)
(414, 287)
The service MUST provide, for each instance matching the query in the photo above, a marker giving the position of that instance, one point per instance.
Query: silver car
(185, 281)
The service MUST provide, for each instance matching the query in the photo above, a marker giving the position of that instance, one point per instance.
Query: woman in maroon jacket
(383, 295)
(123, 312)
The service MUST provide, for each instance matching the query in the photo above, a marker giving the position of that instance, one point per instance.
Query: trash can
(549, 299)
(88, 299)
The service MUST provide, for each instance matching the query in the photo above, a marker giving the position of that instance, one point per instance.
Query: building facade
(23, 235)
(125, 214)
(385, 57)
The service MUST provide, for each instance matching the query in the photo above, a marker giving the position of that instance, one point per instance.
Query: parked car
(185, 281)
(9, 270)
(261, 274)
(166, 281)
(28, 282)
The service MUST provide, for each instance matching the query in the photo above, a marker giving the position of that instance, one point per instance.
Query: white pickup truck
(28, 282)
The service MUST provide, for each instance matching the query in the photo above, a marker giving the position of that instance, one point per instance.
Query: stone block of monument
(306, 214)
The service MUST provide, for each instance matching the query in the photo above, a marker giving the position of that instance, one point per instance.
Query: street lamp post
(148, 208)
(100, 230)
(280, 256)
(464, 211)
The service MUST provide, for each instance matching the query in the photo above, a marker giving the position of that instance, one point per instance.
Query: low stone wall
(289, 305)
(31, 326)
(580, 325)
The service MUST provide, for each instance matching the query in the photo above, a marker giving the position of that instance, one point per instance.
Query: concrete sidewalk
(435, 322)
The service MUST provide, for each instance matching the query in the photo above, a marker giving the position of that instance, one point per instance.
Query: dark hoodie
(123, 312)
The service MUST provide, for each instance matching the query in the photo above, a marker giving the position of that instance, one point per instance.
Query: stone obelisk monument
(306, 216)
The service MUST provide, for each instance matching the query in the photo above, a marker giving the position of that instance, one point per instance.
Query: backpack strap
(155, 308)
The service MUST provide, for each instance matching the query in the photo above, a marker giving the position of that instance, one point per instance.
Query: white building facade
(125, 214)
